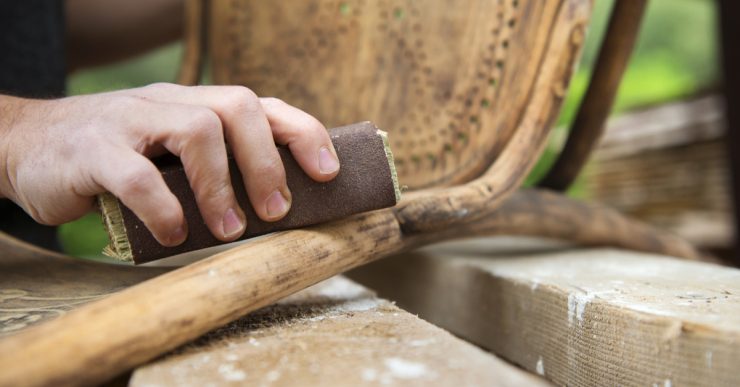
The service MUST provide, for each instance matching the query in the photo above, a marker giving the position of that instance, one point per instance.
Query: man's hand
(56, 155)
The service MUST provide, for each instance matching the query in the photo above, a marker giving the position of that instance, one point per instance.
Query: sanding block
(366, 181)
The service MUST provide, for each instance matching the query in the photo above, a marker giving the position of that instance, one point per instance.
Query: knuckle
(136, 181)
(241, 100)
(204, 124)
(161, 87)
(216, 191)
(273, 101)
(313, 127)
(306, 128)
(126, 102)
(268, 168)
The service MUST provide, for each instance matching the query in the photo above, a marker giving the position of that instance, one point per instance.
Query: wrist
(10, 109)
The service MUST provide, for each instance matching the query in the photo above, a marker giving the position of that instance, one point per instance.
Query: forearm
(103, 31)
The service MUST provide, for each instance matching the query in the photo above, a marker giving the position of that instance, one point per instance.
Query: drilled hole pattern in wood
(430, 73)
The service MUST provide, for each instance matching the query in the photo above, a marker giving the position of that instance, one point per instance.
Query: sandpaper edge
(391, 164)
(119, 246)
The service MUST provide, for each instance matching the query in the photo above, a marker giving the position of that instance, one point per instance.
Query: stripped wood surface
(449, 80)
(336, 333)
(578, 317)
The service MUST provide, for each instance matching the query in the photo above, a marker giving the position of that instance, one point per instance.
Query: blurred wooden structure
(668, 165)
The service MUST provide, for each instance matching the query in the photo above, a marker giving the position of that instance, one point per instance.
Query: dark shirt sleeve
(32, 64)
(32, 61)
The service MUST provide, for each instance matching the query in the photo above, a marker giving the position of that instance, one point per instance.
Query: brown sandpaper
(366, 181)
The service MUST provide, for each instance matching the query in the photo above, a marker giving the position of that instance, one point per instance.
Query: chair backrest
(448, 79)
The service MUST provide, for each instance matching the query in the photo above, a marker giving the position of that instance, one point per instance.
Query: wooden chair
(468, 91)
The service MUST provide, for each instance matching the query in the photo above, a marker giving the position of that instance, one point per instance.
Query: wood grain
(336, 333)
(449, 80)
(443, 208)
(38, 285)
(580, 318)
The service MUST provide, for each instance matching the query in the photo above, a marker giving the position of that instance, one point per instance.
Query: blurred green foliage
(675, 57)
(158, 66)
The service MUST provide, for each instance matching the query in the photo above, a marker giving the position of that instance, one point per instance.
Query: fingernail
(233, 225)
(178, 236)
(328, 163)
(277, 205)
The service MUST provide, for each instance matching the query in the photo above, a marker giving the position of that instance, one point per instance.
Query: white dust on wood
(691, 291)
(230, 373)
(397, 369)
(404, 369)
(540, 367)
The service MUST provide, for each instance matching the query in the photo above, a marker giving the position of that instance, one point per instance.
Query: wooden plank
(667, 165)
(38, 285)
(663, 126)
(334, 333)
(578, 317)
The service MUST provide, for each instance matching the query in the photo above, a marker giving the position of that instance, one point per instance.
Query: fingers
(306, 137)
(195, 134)
(139, 185)
(248, 132)
(250, 137)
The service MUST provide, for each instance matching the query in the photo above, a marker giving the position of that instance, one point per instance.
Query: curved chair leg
(541, 213)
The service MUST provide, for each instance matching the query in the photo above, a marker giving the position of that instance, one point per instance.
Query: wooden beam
(668, 166)
(578, 317)
(334, 333)
(664, 126)
(38, 285)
